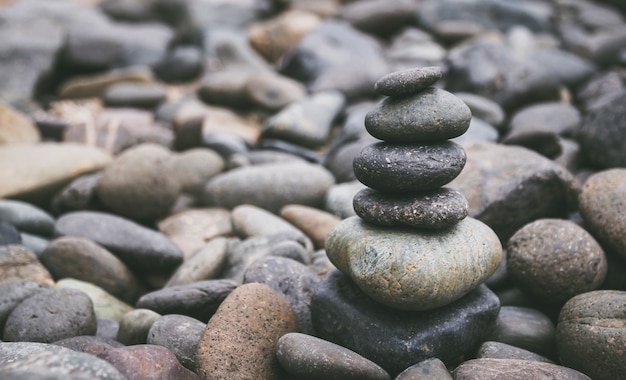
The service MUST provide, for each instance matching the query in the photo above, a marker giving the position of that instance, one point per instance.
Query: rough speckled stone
(306, 356)
(396, 339)
(437, 209)
(602, 200)
(104, 304)
(408, 81)
(499, 350)
(513, 369)
(396, 168)
(554, 259)
(591, 334)
(239, 341)
(13, 293)
(430, 115)
(51, 315)
(412, 270)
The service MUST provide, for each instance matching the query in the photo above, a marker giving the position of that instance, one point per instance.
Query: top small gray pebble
(408, 81)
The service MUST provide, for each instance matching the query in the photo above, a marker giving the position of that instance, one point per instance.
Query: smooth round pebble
(51, 315)
(554, 259)
(415, 270)
(602, 200)
(437, 209)
(395, 168)
(249, 323)
(430, 115)
(315, 223)
(309, 357)
(179, 334)
(591, 334)
(135, 325)
(408, 81)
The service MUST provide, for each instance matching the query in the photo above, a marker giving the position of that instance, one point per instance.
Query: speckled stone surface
(553, 260)
(410, 270)
(591, 334)
(436, 209)
(429, 115)
(396, 168)
(408, 81)
(514, 369)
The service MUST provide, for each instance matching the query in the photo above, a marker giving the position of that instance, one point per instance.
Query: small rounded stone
(554, 260)
(591, 334)
(306, 356)
(514, 369)
(414, 270)
(437, 209)
(395, 168)
(408, 81)
(429, 115)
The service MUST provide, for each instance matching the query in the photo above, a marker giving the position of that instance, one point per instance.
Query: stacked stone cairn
(412, 246)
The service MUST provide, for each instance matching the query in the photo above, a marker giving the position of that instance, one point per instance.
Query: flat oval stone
(20, 264)
(408, 81)
(430, 115)
(51, 315)
(601, 201)
(139, 247)
(437, 209)
(499, 350)
(514, 369)
(394, 339)
(306, 356)
(26, 217)
(555, 259)
(591, 334)
(395, 168)
(415, 270)
(239, 342)
(270, 186)
(205, 264)
(85, 260)
(134, 94)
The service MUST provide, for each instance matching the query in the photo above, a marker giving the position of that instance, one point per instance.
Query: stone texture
(13, 293)
(600, 200)
(525, 328)
(437, 209)
(411, 270)
(396, 168)
(140, 184)
(135, 325)
(269, 186)
(204, 264)
(498, 350)
(514, 369)
(26, 217)
(15, 127)
(410, 81)
(137, 246)
(293, 280)
(429, 369)
(305, 356)
(600, 134)
(396, 339)
(315, 223)
(591, 326)
(239, 341)
(51, 315)
(198, 299)
(507, 187)
(553, 260)
(33, 173)
(179, 334)
(30, 360)
(429, 115)
(19, 264)
(192, 229)
(85, 260)
(194, 167)
(105, 305)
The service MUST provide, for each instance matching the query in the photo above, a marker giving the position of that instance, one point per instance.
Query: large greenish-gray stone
(412, 269)
(430, 115)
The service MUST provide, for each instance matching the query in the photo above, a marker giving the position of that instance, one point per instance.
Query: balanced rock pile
(412, 246)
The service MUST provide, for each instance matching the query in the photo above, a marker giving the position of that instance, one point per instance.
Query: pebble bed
(331, 189)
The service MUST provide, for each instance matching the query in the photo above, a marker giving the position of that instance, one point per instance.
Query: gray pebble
(410, 81)
(180, 334)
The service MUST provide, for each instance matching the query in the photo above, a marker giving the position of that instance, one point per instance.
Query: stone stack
(412, 246)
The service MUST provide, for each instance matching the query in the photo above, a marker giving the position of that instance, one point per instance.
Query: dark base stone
(395, 339)
(438, 209)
